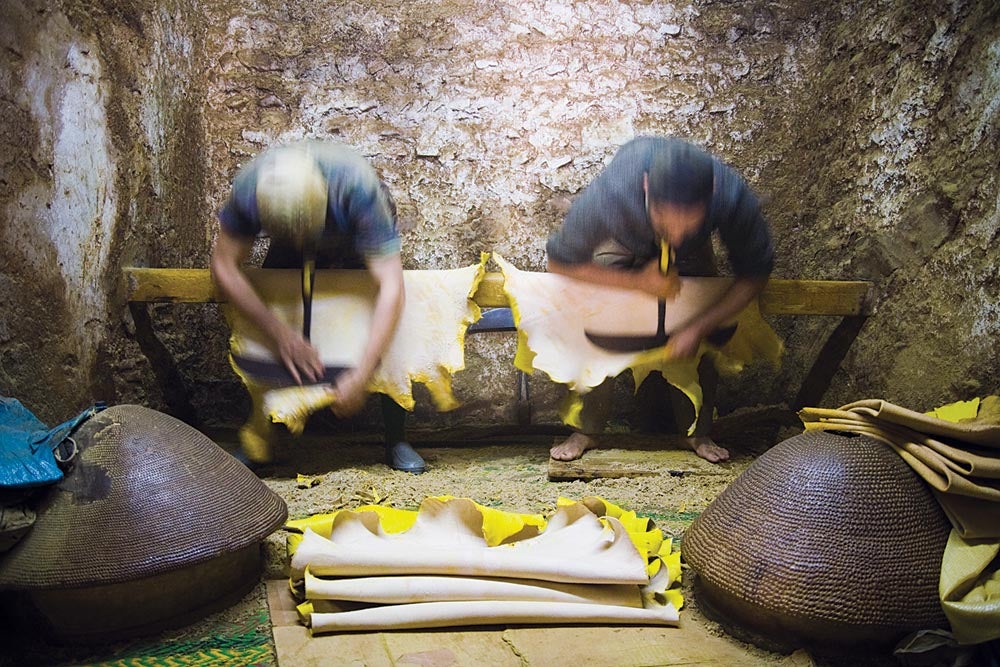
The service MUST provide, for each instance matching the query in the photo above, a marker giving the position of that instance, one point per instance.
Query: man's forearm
(736, 298)
(240, 292)
(597, 274)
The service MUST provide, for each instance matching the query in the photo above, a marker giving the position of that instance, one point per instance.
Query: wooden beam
(780, 297)
(635, 455)
(171, 285)
(816, 297)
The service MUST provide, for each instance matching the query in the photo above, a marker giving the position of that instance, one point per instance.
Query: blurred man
(656, 193)
(324, 201)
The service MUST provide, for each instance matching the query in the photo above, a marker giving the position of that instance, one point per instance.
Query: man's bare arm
(294, 351)
(648, 279)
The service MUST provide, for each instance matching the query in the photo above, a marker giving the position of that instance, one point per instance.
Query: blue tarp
(27, 445)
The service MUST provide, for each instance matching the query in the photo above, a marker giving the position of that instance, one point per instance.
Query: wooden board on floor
(632, 456)
(595, 646)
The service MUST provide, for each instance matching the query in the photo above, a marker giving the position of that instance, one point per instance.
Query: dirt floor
(509, 471)
(321, 473)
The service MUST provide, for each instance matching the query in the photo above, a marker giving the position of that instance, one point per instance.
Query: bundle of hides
(456, 563)
(428, 346)
(955, 449)
(154, 526)
(553, 314)
(825, 540)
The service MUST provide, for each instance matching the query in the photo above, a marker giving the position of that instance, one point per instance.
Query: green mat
(212, 643)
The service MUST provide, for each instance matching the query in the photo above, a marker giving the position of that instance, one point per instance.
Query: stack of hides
(456, 563)
(955, 449)
(154, 526)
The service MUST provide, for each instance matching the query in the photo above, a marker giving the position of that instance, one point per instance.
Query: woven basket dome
(826, 540)
(153, 517)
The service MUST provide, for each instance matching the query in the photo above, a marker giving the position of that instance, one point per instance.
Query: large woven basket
(153, 526)
(825, 540)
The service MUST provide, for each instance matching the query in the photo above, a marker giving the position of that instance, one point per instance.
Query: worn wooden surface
(780, 297)
(634, 456)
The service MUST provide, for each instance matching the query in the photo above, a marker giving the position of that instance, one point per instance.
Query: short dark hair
(681, 174)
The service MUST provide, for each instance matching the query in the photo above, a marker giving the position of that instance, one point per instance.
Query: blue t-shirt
(613, 207)
(360, 223)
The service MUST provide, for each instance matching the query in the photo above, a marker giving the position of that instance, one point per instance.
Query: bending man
(328, 198)
(659, 190)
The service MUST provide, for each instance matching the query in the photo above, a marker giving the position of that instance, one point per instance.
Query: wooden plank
(634, 456)
(171, 285)
(816, 297)
(780, 297)
(490, 293)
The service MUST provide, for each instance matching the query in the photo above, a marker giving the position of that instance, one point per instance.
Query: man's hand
(349, 394)
(651, 281)
(683, 344)
(299, 357)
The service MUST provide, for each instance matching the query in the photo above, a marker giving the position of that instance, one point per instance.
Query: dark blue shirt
(613, 207)
(359, 220)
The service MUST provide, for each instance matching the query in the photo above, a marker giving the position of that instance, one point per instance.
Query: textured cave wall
(102, 167)
(869, 129)
(893, 178)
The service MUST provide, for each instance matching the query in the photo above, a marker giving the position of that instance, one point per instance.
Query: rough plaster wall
(101, 161)
(900, 138)
(870, 130)
(58, 206)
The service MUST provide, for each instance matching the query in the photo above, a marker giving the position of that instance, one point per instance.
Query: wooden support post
(817, 381)
(168, 378)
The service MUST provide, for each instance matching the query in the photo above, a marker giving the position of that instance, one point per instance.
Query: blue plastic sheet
(27, 445)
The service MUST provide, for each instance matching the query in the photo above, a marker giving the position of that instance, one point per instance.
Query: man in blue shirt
(658, 190)
(327, 197)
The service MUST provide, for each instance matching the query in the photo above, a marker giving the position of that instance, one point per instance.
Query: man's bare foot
(573, 447)
(706, 448)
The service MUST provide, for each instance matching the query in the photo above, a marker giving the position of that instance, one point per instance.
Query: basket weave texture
(147, 494)
(821, 534)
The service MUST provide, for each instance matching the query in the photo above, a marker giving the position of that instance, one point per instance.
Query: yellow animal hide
(428, 346)
(553, 312)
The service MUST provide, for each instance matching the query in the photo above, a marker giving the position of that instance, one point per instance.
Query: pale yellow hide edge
(552, 313)
(429, 345)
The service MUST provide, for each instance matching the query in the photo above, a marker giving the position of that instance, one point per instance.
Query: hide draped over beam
(428, 346)
(553, 314)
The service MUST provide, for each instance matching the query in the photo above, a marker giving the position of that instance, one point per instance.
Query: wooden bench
(850, 300)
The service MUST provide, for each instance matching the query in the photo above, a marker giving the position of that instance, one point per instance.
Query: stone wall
(869, 129)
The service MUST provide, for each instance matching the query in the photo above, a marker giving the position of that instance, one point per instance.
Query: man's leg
(399, 455)
(593, 417)
(699, 441)
(259, 433)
